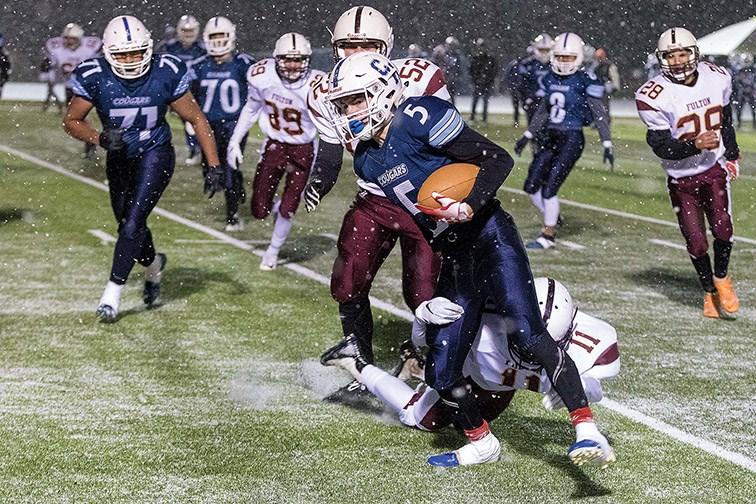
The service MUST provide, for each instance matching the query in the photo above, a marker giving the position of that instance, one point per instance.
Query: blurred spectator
(652, 66)
(743, 86)
(169, 37)
(608, 73)
(415, 51)
(452, 62)
(483, 71)
(5, 65)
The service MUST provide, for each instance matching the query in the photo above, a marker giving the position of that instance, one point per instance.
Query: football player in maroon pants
(372, 225)
(689, 117)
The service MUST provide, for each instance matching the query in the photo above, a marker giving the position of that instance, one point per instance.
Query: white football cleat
(195, 159)
(483, 451)
(234, 227)
(107, 308)
(591, 447)
(269, 260)
(107, 313)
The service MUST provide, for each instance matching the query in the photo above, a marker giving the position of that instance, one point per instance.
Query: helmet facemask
(219, 36)
(126, 35)
(375, 80)
(292, 53)
(567, 56)
(679, 72)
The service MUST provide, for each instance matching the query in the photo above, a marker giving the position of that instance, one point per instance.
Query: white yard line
(570, 245)
(668, 244)
(102, 235)
(702, 444)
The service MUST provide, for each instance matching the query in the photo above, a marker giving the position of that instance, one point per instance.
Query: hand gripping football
(454, 181)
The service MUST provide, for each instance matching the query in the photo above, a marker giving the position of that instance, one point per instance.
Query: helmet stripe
(566, 36)
(357, 19)
(336, 72)
(128, 30)
(673, 36)
(293, 42)
(549, 301)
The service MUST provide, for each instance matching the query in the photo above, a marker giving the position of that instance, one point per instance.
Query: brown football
(453, 181)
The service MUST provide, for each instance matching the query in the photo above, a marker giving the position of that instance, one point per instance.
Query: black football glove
(609, 156)
(312, 194)
(112, 140)
(521, 144)
(215, 180)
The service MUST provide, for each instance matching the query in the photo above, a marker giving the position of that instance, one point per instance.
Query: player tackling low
(689, 117)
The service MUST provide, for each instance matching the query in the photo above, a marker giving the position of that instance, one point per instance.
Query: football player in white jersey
(372, 225)
(277, 100)
(495, 371)
(61, 55)
(689, 117)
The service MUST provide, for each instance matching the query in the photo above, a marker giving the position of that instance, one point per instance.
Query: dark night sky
(628, 29)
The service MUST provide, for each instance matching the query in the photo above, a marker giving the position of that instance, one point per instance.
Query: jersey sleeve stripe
(78, 89)
(437, 82)
(449, 133)
(183, 85)
(442, 128)
(595, 90)
(641, 106)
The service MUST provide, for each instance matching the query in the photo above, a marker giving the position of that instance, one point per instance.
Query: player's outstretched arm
(324, 173)
(75, 122)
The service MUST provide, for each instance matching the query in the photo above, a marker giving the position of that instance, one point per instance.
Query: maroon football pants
(279, 159)
(708, 194)
(368, 233)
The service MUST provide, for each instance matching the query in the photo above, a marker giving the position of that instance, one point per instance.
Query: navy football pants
(559, 152)
(136, 185)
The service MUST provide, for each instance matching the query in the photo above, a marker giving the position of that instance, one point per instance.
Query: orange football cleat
(728, 300)
(711, 305)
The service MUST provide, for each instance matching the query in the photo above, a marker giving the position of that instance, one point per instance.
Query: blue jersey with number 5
(137, 106)
(412, 150)
(565, 97)
(222, 87)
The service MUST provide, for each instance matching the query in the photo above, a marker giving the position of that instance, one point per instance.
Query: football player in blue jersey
(189, 49)
(571, 100)
(221, 90)
(402, 142)
(131, 90)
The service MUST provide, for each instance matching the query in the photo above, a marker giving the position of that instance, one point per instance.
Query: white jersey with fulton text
(64, 60)
(593, 348)
(420, 77)
(687, 111)
(280, 107)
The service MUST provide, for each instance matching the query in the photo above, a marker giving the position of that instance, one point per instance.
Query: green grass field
(216, 395)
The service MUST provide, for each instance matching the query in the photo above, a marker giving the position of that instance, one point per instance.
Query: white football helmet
(296, 47)
(541, 47)
(567, 44)
(126, 34)
(223, 44)
(374, 77)
(362, 24)
(557, 309)
(187, 29)
(677, 39)
(72, 35)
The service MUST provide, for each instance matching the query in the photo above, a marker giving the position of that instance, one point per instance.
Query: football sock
(562, 372)
(467, 412)
(112, 294)
(551, 211)
(703, 268)
(154, 271)
(537, 200)
(722, 249)
(357, 318)
(280, 231)
(387, 388)
(581, 416)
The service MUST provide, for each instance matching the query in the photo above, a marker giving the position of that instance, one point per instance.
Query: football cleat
(346, 355)
(728, 300)
(590, 451)
(560, 222)
(152, 276)
(542, 242)
(106, 313)
(411, 363)
(269, 260)
(483, 451)
(711, 305)
(194, 159)
(234, 226)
